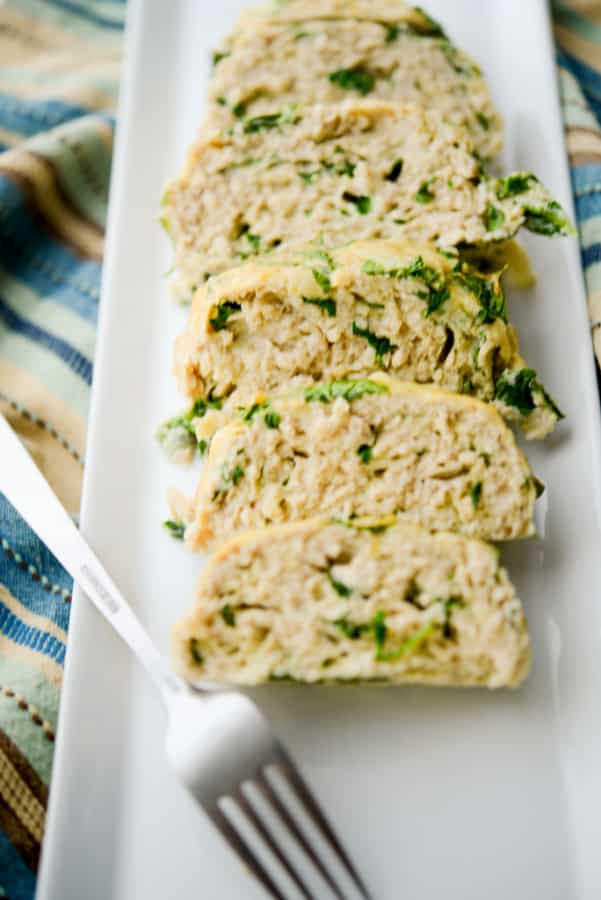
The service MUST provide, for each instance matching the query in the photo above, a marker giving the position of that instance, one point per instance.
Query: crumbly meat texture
(391, 12)
(323, 316)
(272, 65)
(366, 448)
(321, 602)
(356, 170)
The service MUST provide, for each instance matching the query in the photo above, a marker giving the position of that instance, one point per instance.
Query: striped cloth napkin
(59, 69)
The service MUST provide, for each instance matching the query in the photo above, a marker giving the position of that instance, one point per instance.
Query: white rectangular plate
(462, 795)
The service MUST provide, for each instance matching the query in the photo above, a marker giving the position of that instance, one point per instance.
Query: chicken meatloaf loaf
(315, 61)
(364, 601)
(366, 448)
(391, 12)
(407, 309)
(355, 170)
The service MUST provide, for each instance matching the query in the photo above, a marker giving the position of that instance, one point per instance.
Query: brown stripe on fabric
(22, 821)
(25, 770)
(584, 159)
(37, 213)
(65, 200)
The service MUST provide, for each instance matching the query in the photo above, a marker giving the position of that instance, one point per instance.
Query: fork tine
(271, 796)
(239, 845)
(287, 768)
(248, 810)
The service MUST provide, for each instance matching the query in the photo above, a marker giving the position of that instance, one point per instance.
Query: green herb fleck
(490, 296)
(518, 183)
(322, 280)
(195, 653)
(239, 110)
(270, 120)
(237, 475)
(395, 171)
(476, 494)
(219, 321)
(392, 33)
(495, 217)
(341, 589)
(356, 79)
(272, 419)
(424, 194)
(218, 56)
(362, 203)
(328, 305)
(515, 389)
(381, 345)
(430, 25)
(175, 529)
(351, 630)
(549, 221)
(349, 390)
(483, 120)
(539, 487)
(364, 452)
(228, 615)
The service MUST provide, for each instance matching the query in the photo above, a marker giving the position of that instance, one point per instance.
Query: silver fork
(218, 742)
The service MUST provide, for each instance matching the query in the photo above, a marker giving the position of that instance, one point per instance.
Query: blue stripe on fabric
(29, 636)
(49, 269)
(75, 360)
(589, 80)
(588, 206)
(29, 117)
(86, 14)
(587, 177)
(591, 255)
(22, 880)
(16, 577)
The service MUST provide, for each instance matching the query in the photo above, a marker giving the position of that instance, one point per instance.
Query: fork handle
(25, 487)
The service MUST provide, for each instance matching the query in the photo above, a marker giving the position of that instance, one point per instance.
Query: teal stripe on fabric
(87, 13)
(576, 22)
(17, 881)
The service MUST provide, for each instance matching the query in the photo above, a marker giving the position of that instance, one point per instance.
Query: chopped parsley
(341, 589)
(322, 280)
(395, 171)
(476, 494)
(362, 203)
(272, 419)
(344, 168)
(175, 529)
(381, 345)
(269, 120)
(483, 121)
(178, 433)
(349, 390)
(239, 110)
(515, 389)
(392, 33)
(237, 475)
(356, 79)
(195, 653)
(494, 217)
(490, 296)
(217, 57)
(424, 194)
(408, 646)
(432, 27)
(253, 239)
(328, 305)
(437, 292)
(364, 452)
(219, 321)
(518, 183)
(350, 629)
(228, 615)
(548, 221)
